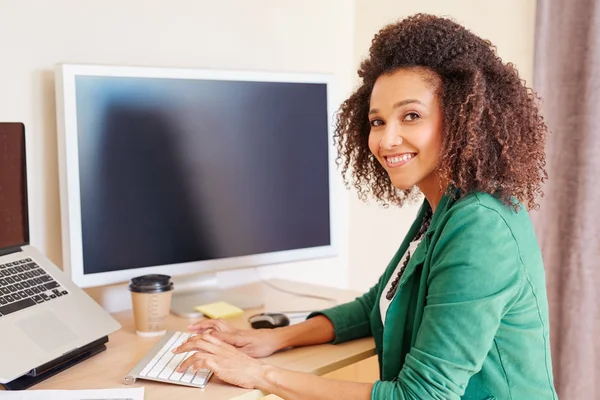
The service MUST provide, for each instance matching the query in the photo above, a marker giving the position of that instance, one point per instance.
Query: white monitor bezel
(69, 173)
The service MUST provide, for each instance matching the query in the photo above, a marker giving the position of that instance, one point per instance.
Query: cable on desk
(293, 293)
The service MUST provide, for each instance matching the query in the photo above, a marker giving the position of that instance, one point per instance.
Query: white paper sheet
(95, 394)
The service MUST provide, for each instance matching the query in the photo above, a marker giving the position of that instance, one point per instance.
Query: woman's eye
(411, 116)
(376, 122)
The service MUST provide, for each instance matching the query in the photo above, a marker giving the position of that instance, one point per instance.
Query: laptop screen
(14, 228)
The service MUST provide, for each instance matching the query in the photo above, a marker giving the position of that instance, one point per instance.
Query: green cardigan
(470, 317)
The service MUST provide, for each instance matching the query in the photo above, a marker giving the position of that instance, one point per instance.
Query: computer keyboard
(160, 364)
(23, 284)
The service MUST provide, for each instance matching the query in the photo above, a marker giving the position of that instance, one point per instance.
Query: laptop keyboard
(24, 284)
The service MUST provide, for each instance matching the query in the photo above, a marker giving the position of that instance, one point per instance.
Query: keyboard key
(45, 278)
(10, 280)
(171, 366)
(19, 268)
(22, 261)
(38, 299)
(19, 286)
(176, 376)
(176, 358)
(16, 296)
(3, 301)
(11, 288)
(64, 292)
(150, 366)
(51, 285)
(3, 282)
(36, 290)
(160, 365)
(12, 271)
(5, 290)
(16, 306)
(201, 377)
(166, 358)
(29, 292)
(25, 284)
(187, 377)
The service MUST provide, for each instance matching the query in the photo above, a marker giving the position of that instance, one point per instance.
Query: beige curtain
(567, 77)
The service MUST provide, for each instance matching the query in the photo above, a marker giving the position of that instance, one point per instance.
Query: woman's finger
(188, 362)
(216, 324)
(204, 362)
(210, 338)
(196, 361)
(233, 339)
(204, 342)
(193, 338)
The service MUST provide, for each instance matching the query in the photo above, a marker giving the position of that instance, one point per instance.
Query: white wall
(376, 233)
(278, 35)
(285, 35)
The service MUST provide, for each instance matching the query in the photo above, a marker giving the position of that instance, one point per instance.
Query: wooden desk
(125, 349)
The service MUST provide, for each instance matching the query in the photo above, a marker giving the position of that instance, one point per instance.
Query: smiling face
(406, 128)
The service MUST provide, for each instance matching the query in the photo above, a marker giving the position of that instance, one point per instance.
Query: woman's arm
(264, 342)
(338, 324)
(351, 320)
(292, 385)
(317, 330)
(233, 366)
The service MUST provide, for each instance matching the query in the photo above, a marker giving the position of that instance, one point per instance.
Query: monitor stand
(196, 290)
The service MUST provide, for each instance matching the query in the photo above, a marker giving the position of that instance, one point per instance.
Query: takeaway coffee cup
(151, 298)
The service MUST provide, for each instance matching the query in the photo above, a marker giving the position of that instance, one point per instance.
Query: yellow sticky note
(220, 309)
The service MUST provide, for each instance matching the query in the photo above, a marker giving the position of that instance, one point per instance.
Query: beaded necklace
(424, 226)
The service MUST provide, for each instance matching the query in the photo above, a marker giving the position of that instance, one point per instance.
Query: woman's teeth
(401, 158)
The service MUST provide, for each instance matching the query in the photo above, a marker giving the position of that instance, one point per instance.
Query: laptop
(43, 315)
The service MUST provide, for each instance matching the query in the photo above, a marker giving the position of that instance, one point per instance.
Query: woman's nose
(391, 137)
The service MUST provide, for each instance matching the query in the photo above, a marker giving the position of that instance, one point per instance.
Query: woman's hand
(224, 360)
(256, 343)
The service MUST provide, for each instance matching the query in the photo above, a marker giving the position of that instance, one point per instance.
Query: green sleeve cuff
(349, 321)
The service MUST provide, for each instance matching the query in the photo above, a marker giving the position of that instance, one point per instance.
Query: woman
(461, 310)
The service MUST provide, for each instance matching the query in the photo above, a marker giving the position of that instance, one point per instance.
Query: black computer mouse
(269, 320)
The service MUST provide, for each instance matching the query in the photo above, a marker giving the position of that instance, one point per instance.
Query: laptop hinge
(10, 250)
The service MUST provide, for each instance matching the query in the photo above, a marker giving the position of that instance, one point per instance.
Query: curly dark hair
(493, 135)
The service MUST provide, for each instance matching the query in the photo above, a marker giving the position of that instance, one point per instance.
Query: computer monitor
(14, 230)
(182, 171)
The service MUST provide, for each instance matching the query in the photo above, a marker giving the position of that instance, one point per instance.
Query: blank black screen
(179, 170)
(14, 225)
